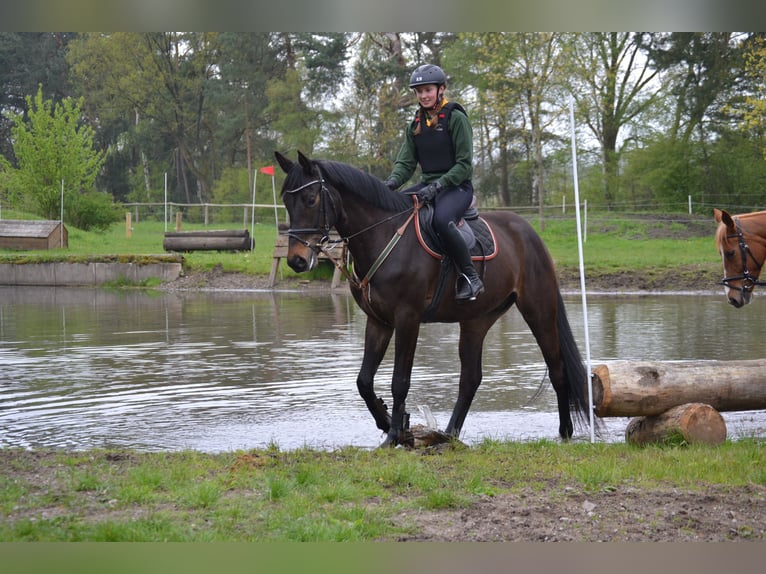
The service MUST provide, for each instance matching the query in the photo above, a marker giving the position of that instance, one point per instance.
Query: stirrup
(467, 290)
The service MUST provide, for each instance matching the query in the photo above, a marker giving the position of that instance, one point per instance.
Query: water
(85, 368)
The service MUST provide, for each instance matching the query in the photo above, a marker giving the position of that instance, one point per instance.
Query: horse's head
(743, 254)
(311, 207)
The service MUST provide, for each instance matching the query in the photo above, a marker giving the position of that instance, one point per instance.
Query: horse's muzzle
(740, 299)
(302, 262)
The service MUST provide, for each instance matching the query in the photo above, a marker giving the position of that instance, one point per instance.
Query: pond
(221, 371)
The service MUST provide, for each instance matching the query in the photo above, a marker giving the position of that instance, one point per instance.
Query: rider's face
(427, 95)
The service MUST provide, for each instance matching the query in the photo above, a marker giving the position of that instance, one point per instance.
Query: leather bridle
(748, 281)
(323, 225)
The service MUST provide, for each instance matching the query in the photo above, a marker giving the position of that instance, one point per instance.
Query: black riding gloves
(429, 192)
(391, 184)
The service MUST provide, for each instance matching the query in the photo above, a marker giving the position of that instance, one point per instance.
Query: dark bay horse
(741, 241)
(399, 281)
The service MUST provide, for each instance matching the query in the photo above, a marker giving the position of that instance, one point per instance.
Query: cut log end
(694, 423)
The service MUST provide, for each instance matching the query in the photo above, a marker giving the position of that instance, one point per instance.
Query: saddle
(476, 233)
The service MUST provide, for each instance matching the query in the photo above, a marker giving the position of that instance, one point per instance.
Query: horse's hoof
(388, 443)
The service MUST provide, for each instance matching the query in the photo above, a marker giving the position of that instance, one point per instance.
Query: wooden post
(178, 221)
(694, 423)
(643, 388)
(128, 225)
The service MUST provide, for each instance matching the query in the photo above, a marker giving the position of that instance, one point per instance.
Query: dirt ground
(556, 512)
(564, 514)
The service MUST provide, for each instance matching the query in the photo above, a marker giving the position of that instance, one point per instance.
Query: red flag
(268, 170)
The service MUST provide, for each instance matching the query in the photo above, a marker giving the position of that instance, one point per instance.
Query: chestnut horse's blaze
(741, 241)
(400, 280)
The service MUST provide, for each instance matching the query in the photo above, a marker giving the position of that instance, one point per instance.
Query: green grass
(307, 495)
(612, 243)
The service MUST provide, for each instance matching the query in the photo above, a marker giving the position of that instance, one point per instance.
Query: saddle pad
(484, 249)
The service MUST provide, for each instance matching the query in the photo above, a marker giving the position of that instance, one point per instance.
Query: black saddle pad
(484, 246)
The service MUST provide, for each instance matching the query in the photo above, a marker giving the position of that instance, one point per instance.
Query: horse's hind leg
(470, 350)
(376, 339)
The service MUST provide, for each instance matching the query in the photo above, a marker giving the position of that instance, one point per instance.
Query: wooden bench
(280, 251)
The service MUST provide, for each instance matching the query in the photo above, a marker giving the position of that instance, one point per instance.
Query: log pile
(678, 398)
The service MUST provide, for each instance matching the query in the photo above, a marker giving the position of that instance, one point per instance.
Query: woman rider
(440, 140)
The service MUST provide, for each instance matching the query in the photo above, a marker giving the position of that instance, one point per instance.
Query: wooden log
(643, 388)
(207, 241)
(209, 233)
(693, 422)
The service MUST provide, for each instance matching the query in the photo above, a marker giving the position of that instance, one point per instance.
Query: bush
(92, 211)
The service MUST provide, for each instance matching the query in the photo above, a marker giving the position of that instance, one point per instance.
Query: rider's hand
(391, 184)
(429, 192)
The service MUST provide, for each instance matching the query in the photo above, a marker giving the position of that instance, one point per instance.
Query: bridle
(748, 281)
(323, 225)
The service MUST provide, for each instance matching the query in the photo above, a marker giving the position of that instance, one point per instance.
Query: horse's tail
(574, 369)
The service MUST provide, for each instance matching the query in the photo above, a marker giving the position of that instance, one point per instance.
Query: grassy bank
(349, 494)
(614, 246)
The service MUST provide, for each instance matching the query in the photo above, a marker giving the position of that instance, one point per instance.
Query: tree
(55, 147)
(28, 59)
(612, 87)
(754, 112)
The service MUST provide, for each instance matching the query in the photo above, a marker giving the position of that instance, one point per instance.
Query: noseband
(748, 281)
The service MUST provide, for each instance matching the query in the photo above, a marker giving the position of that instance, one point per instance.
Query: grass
(612, 244)
(307, 495)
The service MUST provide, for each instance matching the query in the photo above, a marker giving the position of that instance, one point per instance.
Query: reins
(748, 281)
(323, 227)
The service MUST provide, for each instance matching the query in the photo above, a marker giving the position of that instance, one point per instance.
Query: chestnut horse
(400, 288)
(741, 241)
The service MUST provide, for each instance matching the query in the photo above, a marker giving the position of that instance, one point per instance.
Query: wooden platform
(280, 251)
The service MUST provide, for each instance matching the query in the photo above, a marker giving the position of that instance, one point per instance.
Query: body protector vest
(433, 145)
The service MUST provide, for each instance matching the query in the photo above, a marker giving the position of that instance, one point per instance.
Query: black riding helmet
(427, 74)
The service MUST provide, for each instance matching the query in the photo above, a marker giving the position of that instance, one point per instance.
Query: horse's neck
(368, 227)
(755, 224)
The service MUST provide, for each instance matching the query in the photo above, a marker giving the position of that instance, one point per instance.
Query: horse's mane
(366, 186)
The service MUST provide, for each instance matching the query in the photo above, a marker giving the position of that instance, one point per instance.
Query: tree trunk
(644, 388)
(227, 240)
(693, 422)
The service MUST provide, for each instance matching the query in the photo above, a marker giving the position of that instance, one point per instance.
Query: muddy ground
(555, 512)
(623, 514)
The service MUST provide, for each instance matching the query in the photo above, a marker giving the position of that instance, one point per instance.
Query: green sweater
(462, 138)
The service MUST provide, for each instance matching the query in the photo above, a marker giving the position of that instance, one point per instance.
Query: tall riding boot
(469, 284)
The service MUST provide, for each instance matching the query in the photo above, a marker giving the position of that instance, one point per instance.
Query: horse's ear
(283, 162)
(305, 162)
(723, 216)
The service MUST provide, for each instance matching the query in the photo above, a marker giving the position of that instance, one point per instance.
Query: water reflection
(86, 368)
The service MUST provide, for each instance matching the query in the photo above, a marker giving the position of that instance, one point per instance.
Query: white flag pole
(61, 227)
(274, 193)
(252, 213)
(582, 268)
(166, 202)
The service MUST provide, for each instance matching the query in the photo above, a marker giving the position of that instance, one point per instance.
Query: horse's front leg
(472, 336)
(404, 354)
(376, 339)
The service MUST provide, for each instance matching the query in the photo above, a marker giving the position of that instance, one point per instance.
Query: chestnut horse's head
(741, 241)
